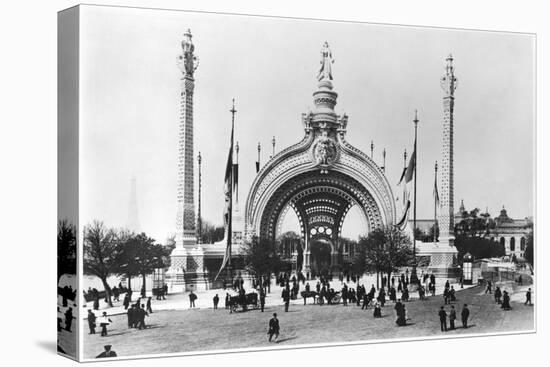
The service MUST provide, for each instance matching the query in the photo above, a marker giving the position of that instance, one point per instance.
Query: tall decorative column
(186, 236)
(444, 254)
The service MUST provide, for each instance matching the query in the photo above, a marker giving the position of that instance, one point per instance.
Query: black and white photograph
(293, 182)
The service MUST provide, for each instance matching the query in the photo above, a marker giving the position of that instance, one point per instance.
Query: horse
(305, 295)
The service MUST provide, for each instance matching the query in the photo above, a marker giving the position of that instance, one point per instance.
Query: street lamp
(467, 268)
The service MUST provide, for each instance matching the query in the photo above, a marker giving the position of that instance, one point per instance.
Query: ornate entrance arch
(321, 178)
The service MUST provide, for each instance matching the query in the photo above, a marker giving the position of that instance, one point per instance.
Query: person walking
(91, 321)
(262, 299)
(452, 317)
(273, 328)
(465, 314)
(443, 319)
(528, 297)
(104, 321)
(489, 288)
(149, 309)
(286, 297)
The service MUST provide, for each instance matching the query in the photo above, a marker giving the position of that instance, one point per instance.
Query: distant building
(510, 233)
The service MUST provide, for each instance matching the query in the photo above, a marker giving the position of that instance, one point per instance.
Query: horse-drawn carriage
(244, 301)
(332, 298)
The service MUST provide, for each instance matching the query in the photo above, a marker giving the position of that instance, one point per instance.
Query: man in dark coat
(141, 313)
(131, 316)
(126, 301)
(382, 297)
(465, 314)
(192, 298)
(443, 318)
(273, 328)
(216, 299)
(286, 297)
(262, 299)
(452, 317)
(91, 321)
(149, 309)
(528, 297)
(345, 294)
(506, 301)
(107, 353)
(498, 295)
(69, 319)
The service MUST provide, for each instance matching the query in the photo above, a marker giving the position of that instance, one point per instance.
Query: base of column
(443, 259)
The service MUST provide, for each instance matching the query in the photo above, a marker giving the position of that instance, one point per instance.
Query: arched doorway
(321, 251)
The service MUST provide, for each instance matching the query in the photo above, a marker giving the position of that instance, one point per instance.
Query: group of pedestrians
(464, 314)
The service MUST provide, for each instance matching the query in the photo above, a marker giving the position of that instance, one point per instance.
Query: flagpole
(435, 204)
(414, 212)
(230, 219)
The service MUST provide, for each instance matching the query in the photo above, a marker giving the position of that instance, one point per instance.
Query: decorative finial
(259, 147)
(199, 158)
(273, 143)
(371, 148)
(405, 158)
(435, 167)
(187, 61)
(325, 72)
(415, 117)
(448, 81)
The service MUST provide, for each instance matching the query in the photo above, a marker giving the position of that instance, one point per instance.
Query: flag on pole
(436, 193)
(405, 217)
(227, 213)
(409, 173)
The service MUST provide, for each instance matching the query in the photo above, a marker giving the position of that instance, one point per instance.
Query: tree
(211, 233)
(100, 252)
(473, 225)
(138, 254)
(478, 247)
(261, 257)
(66, 248)
(386, 249)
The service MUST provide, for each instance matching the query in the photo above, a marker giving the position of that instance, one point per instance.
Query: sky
(129, 106)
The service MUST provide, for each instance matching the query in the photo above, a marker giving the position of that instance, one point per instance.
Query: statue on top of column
(326, 64)
(187, 61)
(449, 81)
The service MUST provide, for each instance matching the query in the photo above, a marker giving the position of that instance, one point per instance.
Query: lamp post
(467, 268)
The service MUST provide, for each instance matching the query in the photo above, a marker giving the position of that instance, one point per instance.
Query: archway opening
(320, 256)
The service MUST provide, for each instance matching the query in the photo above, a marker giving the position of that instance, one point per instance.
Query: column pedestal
(175, 276)
(443, 258)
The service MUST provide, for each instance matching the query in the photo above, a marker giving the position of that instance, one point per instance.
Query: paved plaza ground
(204, 329)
